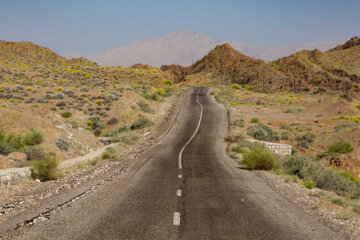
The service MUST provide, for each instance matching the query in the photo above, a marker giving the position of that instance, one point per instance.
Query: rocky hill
(315, 71)
(72, 102)
(337, 69)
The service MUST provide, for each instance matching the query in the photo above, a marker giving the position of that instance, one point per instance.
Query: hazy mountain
(184, 48)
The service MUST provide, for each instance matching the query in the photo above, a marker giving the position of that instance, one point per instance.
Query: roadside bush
(125, 137)
(260, 158)
(46, 169)
(145, 107)
(263, 133)
(340, 147)
(238, 122)
(33, 137)
(34, 153)
(324, 177)
(109, 153)
(233, 137)
(254, 120)
(295, 110)
(225, 96)
(141, 123)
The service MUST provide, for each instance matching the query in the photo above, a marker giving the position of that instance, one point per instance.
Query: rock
(37, 180)
(41, 100)
(17, 156)
(295, 123)
(59, 96)
(147, 134)
(62, 144)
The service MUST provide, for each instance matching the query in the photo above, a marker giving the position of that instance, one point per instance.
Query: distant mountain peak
(184, 48)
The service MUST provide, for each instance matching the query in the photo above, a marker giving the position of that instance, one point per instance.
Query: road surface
(187, 188)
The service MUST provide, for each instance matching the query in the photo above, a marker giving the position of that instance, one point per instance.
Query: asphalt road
(200, 195)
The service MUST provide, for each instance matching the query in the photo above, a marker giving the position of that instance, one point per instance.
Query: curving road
(198, 194)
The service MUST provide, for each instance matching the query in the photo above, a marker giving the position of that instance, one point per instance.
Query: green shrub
(109, 153)
(305, 140)
(286, 127)
(238, 122)
(295, 110)
(324, 177)
(66, 114)
(263, 133)
(145, 107)
(141, 123)
(125, 137)
(46, 169)
(260, 158)
(236, 86)
(233, 137)
(153, 97)
(254, 120)
(225, 96)
(34, 153)
(342, 125)
(168, 82)
(33, 137)
(310, 184)
(340, 147)
(160, 91)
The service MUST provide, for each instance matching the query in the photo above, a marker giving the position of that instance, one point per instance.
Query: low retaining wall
(12, 175)
(278, 148)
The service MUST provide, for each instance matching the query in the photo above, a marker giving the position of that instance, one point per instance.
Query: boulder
(17, 156)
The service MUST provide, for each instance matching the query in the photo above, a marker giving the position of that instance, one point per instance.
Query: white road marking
(178, 193)
(176, 218)
(197, 129)
(180, 176)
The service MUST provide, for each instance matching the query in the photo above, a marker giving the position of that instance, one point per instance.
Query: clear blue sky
(89, 27)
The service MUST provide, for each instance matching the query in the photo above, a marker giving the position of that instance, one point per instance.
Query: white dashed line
(176, 218)
(197, 129)
(180, 176)
(178, 193)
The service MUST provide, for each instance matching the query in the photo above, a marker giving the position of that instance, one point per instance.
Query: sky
(90, 27)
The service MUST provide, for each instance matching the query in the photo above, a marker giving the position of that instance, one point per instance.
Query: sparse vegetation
(66, 114)
(323, 176)
(254, 120)
(340, 147)
(259, 158)
(238, 123)
(46, 169)
(109, 153)
(263, 133)
(295, 110)
(145, 107)
(140, 123)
